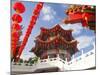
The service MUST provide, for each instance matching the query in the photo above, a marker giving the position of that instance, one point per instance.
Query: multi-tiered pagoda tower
(55, 41)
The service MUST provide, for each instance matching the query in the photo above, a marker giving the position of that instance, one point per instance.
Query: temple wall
(80, 63)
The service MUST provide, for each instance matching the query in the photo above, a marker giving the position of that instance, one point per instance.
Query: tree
(33, 60)
(26, 62)
(30, 61)
(20, 61)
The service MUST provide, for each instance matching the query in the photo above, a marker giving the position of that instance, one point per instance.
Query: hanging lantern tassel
(36, 13)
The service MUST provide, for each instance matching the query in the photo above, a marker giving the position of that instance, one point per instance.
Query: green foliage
(33, 60)
(21, 60)
(19, 63)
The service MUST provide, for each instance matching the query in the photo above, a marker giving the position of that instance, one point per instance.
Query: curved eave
(73, 43)
(56, 28)
(78, 19)
(66, 20)
(56, 38)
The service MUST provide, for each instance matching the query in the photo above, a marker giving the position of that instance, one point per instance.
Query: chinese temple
(81, 14)
(55, 41)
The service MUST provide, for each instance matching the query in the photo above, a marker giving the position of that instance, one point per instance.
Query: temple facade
(53, 42)
(84, 14)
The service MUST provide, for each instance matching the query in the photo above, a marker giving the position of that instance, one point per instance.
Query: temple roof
(56, 38)
(79, 9)
(56, 42)
(54, 32)
(54, 29)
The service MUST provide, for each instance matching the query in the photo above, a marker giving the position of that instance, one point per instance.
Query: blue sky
(51, 15)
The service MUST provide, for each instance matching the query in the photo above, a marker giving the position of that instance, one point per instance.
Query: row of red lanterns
(16, 27)
(33, 20)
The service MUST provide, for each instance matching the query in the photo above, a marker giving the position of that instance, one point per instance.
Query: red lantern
(25, 40)
(36, 11)
(16, 39)
(17, 18)
(15, 34)
(36, 14)
(29, 28)
(32, 22)
(34, 18)
(13, 43)
(39, 6)
(16, 26)
(19, 7)
(14, 50)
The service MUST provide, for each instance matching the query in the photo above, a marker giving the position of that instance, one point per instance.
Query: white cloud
(85, 41)
(48, 17)
(48, 13)
(77, 27)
